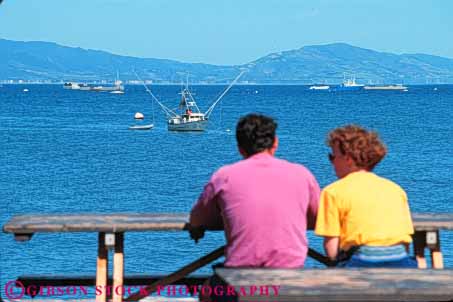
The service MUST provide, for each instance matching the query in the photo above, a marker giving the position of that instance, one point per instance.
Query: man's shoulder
(283, 164)
(292, 165)
(227, 169)
(295, 169)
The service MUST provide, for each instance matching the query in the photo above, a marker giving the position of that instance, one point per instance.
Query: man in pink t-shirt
(263, 203)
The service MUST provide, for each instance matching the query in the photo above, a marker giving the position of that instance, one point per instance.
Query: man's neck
(267, 151)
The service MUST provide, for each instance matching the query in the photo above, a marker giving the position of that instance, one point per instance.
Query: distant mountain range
(33, 61)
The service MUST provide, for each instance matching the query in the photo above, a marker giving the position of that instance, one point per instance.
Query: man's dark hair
(255, 133)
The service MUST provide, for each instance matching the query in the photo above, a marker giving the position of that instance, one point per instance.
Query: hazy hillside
(330, 62)
(309, 64)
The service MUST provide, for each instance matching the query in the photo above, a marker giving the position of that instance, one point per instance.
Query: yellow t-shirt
(364, 209)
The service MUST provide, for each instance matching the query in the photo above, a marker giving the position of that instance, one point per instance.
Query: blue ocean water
(68, 151)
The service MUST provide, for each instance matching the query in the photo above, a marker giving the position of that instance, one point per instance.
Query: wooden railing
(111, 229)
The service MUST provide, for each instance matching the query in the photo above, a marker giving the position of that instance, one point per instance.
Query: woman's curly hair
(363, 146)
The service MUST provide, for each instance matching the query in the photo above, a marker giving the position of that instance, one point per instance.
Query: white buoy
(25, 90)
(228, 130)
(256, 91)
(435, 89)
(139, 116)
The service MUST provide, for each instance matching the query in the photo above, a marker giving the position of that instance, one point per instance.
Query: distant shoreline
(215, 84)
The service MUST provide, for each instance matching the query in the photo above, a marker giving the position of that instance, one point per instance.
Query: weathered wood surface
(432, 221)
(342, 284)
(28, 224)
(108, 223)
(130, 280)
(148, 299)
(102, 267)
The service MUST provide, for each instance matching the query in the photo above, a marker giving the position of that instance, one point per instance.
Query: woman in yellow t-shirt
(364, 218)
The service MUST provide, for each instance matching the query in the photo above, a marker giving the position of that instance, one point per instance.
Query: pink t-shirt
(264, 204)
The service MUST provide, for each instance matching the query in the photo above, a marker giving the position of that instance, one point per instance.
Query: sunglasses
(331, 157)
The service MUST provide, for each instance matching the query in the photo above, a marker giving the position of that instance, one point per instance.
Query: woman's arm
(331, 245)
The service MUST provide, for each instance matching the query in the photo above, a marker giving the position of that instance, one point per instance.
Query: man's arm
(206, 212)
(313, 203)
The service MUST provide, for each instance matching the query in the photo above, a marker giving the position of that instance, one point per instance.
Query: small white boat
(141, 127)
(25, 90)
(117, 92)
(319, 87)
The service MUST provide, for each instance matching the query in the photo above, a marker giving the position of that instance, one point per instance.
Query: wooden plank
(432, 221)
(108, 223)
(437, 260)
(102, 267)
(149, 299)
(118, 268)
(29, 224)
(341, 284)
(130, 280)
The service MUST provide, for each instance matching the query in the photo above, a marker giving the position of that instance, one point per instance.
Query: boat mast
(209, 111)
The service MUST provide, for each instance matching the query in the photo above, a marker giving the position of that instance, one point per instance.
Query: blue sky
(230, 31)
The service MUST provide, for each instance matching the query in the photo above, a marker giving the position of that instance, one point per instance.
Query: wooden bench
(111, 229)
(340, 284)
(427, 227)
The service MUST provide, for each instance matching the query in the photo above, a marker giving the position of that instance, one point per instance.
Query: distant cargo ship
(116, 88)
(386, 87)
(71, 85)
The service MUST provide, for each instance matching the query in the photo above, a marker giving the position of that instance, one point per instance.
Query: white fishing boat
(188, 117)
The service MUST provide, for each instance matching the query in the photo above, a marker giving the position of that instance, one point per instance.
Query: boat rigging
(189, 117)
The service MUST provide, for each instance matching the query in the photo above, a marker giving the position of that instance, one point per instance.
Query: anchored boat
(189, 117)
(141, 127)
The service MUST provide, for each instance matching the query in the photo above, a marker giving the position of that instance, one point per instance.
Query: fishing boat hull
(188, 126)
